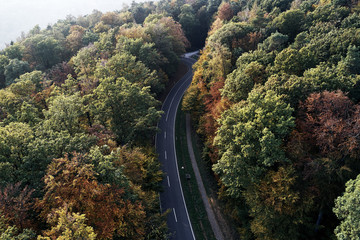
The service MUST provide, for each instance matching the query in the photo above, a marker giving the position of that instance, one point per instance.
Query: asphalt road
(172, 197)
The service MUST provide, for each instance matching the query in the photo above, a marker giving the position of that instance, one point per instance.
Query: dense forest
(79, 105)
(275, 96)
(275, 99)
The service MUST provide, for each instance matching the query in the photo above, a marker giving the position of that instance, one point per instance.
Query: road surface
(172, 197)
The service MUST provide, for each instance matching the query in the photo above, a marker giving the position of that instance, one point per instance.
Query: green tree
(241, 81)
(292, 61)
(168, 37)
(347, 209)
(14, 146)
(14, 69)
(189, 23)
(125, 65)
(129, 110)
(142, 50)
(85, 61)
(64, 113)
(4, 61)
(42, 52)
(36, 77)
(250, 139)
(290, 22)
(352, 59)
(276, 41)
(14, 51)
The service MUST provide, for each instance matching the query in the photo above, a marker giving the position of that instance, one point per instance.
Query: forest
(275, 99)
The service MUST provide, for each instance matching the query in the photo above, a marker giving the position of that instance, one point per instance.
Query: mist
(17, 16)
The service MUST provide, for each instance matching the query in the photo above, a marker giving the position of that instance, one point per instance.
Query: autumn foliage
(72, 183)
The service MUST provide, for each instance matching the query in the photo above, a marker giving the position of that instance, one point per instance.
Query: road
(172, 197)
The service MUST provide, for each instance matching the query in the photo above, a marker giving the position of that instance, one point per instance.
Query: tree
(143, 51)
(14, 51)
(64, 113)
(59, 73)
(4, 61)
(189, 23)
(35, 77)
(16, 203)
(125, 65)
(230, 32)
(330, 121)
(292, 61)
(250, 139)
(290, 22)
(168, 37)
(13, 233)
(277, 206)
(225, 12)
(14, 146)
(14, 69)
(347, 210)
(129, 110)
(352, 59)
(111, 18)
(75, 39)
(72, 183)
(241, 81)
(85, 60)
(68, 225)
(276, 41)
(42, 52)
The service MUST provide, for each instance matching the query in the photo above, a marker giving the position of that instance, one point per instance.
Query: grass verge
(200, 223)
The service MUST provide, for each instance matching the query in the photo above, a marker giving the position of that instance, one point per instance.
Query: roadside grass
(212, 188)
(210, 183)
(199, 220)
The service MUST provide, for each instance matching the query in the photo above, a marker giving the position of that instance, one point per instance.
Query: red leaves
(15, 204)
(329, 120)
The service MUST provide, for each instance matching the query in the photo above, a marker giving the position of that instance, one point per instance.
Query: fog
(18, 16)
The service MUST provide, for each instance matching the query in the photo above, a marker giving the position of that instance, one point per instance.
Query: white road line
(175, 214)
(165, 135)
(168, 181)
(185, 81)
(178, 175)
(165, 155)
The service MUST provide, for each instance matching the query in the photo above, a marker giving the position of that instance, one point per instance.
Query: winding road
(172, 197)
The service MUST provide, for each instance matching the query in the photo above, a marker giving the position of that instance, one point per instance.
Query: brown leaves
(330, 121)
(15, 204)
(72, 183)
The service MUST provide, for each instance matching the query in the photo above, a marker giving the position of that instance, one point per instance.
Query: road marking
(175, 214)
(178, 175)
(165, 135)
(165, 155)
(185, 81)
(168, 181)
(166, 111)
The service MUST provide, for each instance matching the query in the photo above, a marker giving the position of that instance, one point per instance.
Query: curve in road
(172, 197)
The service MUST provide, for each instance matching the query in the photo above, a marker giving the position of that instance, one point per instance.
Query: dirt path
(213, 222)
